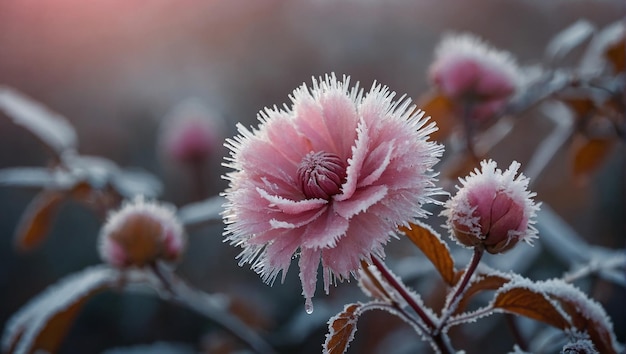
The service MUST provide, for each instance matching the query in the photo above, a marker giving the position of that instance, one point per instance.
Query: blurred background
(115, 68)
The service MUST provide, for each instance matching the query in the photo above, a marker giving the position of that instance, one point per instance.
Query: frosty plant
(328, 180)
(350, 168)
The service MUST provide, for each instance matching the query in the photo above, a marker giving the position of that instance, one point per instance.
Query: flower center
(321, 174)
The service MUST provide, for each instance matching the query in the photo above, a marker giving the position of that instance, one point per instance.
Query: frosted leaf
(36, 177)
(343, 326)
(51, 128)
(204, 211)
(25, 326)
(594, 318)
(99, 172)
(131, 182)
(568, 39)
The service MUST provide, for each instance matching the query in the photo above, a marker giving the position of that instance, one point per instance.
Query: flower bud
(191, 133)
(473, 74)
(141, 233)
(492, 209)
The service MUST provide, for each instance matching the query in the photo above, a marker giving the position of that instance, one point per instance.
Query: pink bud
(492, 209)
(473, 74)
(191, 133)
(141, 233)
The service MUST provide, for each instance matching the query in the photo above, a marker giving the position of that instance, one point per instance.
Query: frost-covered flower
(474, 75)
(328, 180)
(140, 233)
(493, 209)
(191, 133)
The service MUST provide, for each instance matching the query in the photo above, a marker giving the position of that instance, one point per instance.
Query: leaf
(37, 219)
(589, 155)
(341, 329)
(615, 53)
(44, 321)
(442, 111)
(601, 47)
(568, 39)
(435, 249)
(524, 300)
(586, 315)
(484, 282)
(51, 128)
(208, 210)
(35, 177)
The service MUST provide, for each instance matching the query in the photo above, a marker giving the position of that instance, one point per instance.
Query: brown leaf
(586, 316)
(616, 55)
(442, 111)
(45, 320)
(526, 302)
(341, 329)
(37, 219)
(483, 283)
(434, 248)
(589, 155)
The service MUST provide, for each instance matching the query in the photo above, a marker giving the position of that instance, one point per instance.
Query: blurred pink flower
(328, 180)
(141, 232)
(473, 74)
(492, 209)
(191, 133)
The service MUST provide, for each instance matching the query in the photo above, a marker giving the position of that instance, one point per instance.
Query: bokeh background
(115, 68)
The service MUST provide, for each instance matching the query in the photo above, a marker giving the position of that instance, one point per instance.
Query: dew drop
(308, 306)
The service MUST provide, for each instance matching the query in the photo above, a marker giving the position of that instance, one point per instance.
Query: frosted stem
(212, 308)
(403, 292)
(454, 300)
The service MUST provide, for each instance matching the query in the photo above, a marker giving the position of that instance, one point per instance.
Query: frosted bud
(492, 209)
(581, 346)
(140, 233)
(191, 133)
(470, 72)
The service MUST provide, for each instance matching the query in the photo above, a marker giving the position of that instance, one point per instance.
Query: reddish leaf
(434, 248)
(341, 329)
(483, 283)
(589, 154)
(616, 54)
(524, 301)
(442, 111)
(37, 219)
(586, 315)
(45, 320)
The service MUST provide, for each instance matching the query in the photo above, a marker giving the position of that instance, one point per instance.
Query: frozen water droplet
(308, 306)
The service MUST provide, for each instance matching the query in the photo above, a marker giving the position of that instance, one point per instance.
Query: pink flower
(471, 73)
(141, 233)
(328, 179)
(492, 209)
(191, 133)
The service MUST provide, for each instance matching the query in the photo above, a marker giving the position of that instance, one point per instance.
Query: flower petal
(361, 200)
(355, 163)
(376, 163)
(325, 230)
(291, 206)
(309, 262)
